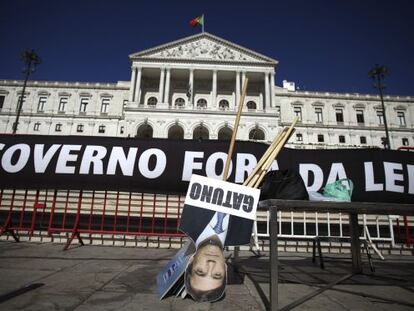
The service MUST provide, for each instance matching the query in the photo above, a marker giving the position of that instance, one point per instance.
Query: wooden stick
(236, 126)
(270, 155)
(252, 181)
(263, 159)
(256, 177)
(274, 154)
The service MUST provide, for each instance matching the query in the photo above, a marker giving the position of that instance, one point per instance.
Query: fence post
(355, 243)
(7, 227)
(75, 230)
(273, 260)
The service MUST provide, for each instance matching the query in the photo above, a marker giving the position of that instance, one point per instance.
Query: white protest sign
(222, 196)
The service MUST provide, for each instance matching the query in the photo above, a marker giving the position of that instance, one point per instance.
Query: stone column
(133, 82)
(272, 90)
(138, 85)
(167, 86)
(214, 89)
(242, 85)
(161, 88)
(237, 88)
(267, 91)
(191, 86)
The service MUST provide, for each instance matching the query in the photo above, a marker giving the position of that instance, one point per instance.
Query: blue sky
(321, 45)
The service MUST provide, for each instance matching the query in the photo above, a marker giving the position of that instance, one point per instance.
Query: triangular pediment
(203, 47)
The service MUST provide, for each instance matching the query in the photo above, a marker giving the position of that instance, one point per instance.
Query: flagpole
(202, 25)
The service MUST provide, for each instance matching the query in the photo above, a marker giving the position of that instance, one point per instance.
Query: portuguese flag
(197, 21)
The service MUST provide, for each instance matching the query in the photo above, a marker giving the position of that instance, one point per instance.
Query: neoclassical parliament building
(190, 89)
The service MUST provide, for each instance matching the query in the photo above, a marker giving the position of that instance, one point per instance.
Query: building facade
(190, 89)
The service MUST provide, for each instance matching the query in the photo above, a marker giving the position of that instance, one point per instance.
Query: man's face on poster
(207, 270)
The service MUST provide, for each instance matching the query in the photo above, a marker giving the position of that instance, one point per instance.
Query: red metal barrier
(405, 148)
(95, 212)
(24, 211)
(90, 212)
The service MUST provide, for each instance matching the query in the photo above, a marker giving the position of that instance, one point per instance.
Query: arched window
(223, 104)
(201, 103)
(152, 101)
(251, 105)
(225, 133)
(256, 134)
(176, 132)
(145, 131)
(179, 102)
(201, 133)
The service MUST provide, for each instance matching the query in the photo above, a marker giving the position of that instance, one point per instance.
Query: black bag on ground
(283, 184)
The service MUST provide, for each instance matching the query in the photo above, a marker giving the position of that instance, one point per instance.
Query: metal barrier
(90, 212)
(351, 208)
(305, 225)
(143, 214)
(25, 210)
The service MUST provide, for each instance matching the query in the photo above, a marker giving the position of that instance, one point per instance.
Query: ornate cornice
(60, 84)
(344, 96)
(203, 47)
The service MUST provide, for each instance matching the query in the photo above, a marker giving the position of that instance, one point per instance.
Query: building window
(152, 101)
(251, 105)
(176, 132)
(278, 113)
(384, 141)
(20, 98)
(58, 127)
(225, 133)
(201, 103)
(101, 129)
(339, 115)
(256, 134)
(298, 113)
(224, 104)
(83, 105)
(318, 112)
(41, 103)
(79, 128)
(299, 137)
(341, 139)
(36, 127)
(145, 131)
(2, 98)
(62, 104)
(363, 140)
(401, 118)
(121, 130)
(405, 141)
(201, 133)
(380, 116)
(321, 138)
(360, 116)
(105, 105)
(179, 102)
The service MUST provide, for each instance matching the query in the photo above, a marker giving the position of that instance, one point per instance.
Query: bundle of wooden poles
(255, 178)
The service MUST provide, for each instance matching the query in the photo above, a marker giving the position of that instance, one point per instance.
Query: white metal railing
(334, 224)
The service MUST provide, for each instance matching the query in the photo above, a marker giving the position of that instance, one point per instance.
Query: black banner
(165, 166)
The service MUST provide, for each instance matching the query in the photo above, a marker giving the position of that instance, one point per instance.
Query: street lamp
(31, 59)
(377, 74)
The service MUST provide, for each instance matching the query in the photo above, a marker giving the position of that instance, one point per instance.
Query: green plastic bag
(339, 191)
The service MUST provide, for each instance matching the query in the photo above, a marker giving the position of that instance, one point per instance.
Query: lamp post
(377, 74)
(31, 59)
